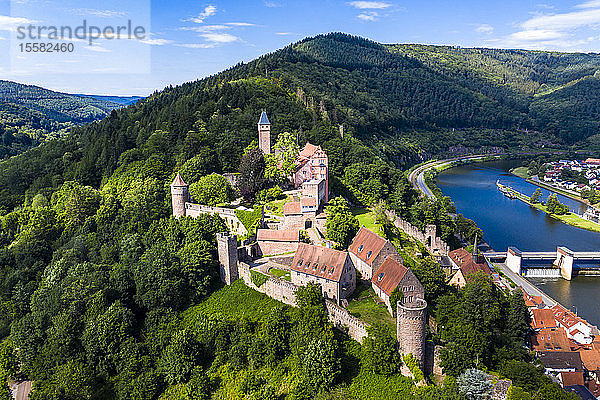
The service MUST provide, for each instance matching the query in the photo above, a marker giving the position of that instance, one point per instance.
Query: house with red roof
(329, 268)
(272, 241)
(542, 319)
(463, 261)
(368, 251)
(391, 275)
(312, 165)
(550, 339)
(577, 328)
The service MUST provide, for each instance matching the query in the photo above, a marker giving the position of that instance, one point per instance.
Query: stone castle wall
(228, 214)
(285, 292)
(434, 244)
(343, 320)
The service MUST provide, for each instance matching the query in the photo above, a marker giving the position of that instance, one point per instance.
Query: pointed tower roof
(263, 119)
(178, 181)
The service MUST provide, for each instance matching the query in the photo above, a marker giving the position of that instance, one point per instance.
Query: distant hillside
(398, 103)
(31, 114)
(124, 100)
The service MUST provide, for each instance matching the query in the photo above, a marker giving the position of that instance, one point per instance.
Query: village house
(368, 251)
(542, 319)
(577, 329)
(271, 242)
(462, 260)
(550, 339)
(329, 268)
(391, 275)
(312, 165)
(560, 361)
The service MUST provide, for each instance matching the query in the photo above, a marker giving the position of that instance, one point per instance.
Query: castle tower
(180, 194)
(228, 257)
(264, 133)
(410, 329)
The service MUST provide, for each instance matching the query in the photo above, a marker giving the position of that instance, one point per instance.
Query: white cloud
(208, 11)
(366, 5)
(537, 34)
(196, 45)
(97, 48)
(284, 33)
(239, 24)
(205, 28)
(484, 28)
(220, 37)
(368, 16)
(11, 23)
(98, 13)
(156, 42)
(589, 4)
(563, 21)
(272, 4)
(556, 30)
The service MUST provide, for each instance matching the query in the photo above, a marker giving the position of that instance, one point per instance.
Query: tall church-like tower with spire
(264, 133)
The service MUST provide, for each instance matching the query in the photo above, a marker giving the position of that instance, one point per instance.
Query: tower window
(369, 254)
(360, 248)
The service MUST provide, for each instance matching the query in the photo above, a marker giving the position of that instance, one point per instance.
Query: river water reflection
(510, 222)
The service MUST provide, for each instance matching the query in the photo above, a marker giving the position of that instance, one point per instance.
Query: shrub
(413, 365)
(257, 278)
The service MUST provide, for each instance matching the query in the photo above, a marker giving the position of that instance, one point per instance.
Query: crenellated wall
(284, 291)
(343, 320)
(434, 244)
(228, 214)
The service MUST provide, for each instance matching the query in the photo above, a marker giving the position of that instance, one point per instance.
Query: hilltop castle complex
(369, 256)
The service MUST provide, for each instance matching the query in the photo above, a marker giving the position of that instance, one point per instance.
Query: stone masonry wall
(285, 292)
(432, 243)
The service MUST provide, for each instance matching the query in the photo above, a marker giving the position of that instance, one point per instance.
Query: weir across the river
(563, 262)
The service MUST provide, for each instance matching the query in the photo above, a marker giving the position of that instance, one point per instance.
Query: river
(510, 222)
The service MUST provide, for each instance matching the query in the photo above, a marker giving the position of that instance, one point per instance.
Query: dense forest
(105, 296)
(30, 115)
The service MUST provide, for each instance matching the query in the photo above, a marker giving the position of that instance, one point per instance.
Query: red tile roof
(308, 202)
(178, 181)
(292, 207)
(366, 245)
(283, 235)
(590, 359)
(550, 339)
(308, 150)
(319, 261)
(571, 378)
(566, 317)
(531, 301)
(465, 262)
(389, 275)
(542, 318)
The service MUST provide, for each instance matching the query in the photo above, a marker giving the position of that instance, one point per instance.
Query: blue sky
(186, 40)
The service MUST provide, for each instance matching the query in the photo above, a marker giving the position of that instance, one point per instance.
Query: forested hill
(31, 114)
(104, 295)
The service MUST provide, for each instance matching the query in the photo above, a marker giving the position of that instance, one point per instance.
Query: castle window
(315, 265)
(331, 270)
(307, 265)
(380, 277)
(323, 269)
(300, 263)
(369, 254)
(360, 248)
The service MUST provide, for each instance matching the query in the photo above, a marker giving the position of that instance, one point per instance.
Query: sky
(187, 40)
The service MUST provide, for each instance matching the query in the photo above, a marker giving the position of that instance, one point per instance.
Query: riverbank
(521, 172)
(569, 219)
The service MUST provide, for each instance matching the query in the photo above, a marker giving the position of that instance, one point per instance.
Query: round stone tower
(410, 329)
(180, 194)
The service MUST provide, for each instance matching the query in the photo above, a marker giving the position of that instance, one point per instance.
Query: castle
(370, 256)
